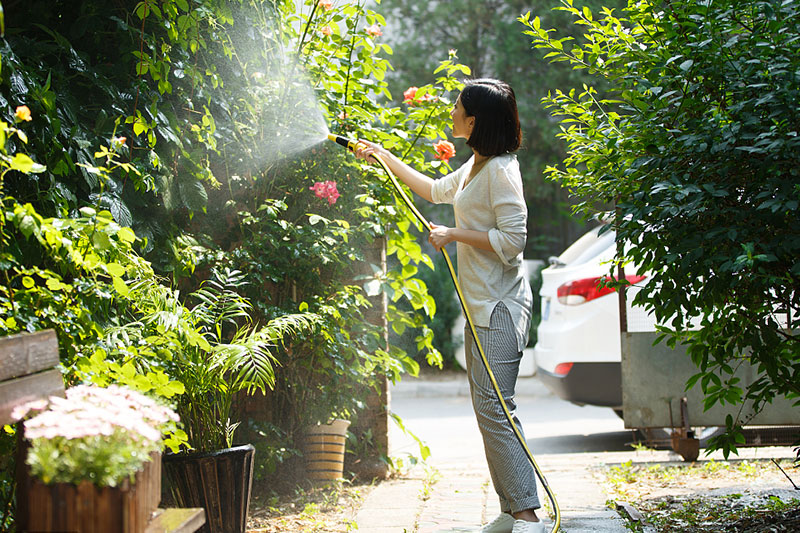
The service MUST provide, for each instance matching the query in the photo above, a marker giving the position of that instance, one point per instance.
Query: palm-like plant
(215, 350)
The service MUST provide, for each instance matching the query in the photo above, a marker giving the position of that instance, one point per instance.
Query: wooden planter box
(86, 508)
(221, 482)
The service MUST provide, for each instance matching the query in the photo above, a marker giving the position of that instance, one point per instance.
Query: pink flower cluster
(90, 411)
(326, 189)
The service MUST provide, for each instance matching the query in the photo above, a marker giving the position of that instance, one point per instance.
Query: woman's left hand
(439, 236)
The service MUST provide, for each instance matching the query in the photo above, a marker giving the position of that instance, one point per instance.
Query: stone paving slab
(392, 507)
(456, 503)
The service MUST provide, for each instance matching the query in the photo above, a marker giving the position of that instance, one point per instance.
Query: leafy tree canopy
(699, 148)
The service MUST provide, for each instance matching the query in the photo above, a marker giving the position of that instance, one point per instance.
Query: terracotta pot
(86, 508)
(323, 450)
(220, 482)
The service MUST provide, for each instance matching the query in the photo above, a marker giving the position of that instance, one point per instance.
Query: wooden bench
(28, 372)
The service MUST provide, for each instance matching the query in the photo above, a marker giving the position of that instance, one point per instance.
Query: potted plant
(338, 352)
(94, 459)
(216, 353)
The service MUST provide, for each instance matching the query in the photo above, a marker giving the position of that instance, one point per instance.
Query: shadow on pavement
(616, 441)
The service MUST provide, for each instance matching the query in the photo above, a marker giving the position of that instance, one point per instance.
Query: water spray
(352, 146)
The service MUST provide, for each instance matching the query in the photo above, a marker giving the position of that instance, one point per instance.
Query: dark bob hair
(494, 106)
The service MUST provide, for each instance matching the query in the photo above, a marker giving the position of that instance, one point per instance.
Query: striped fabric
(512, 474)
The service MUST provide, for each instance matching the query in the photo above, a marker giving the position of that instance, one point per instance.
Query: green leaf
(193, 194)
(25, 164)
(101, 241)
(28, 282)
(28, 225)
(120, 286)
(54, 284)
(126, 235)
(175, 387)
(115, 269)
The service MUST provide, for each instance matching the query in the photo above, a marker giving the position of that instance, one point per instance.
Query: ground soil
(711, 496)
(321, 509)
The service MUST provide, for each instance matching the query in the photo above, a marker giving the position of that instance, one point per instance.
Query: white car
(578, 352)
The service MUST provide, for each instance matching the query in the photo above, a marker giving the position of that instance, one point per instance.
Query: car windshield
(588, 247)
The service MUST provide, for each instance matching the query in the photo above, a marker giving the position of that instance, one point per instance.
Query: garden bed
(741, 496)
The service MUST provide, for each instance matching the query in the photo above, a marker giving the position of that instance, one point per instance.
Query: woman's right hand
(365, 150)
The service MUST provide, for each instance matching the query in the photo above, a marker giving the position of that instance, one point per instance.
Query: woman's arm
(442, 235)
(418, 182)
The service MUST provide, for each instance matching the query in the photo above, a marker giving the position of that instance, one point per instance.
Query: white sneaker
(522, 526)
(503, 523)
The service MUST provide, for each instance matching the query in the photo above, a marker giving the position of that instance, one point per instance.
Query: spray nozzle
(343, 141)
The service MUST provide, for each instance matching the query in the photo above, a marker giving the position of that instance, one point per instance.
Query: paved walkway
(463, 499)
(456, 496)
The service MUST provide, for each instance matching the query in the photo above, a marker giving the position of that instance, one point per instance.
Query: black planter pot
(220, 482)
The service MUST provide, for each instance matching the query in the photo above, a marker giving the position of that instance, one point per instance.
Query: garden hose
(352, 145)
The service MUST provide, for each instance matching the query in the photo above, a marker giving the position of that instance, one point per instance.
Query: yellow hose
(352, 145)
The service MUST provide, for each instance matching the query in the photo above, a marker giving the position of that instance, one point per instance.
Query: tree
(698, 147)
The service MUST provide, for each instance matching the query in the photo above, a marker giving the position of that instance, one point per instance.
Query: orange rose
(327, 31)
(327, 4)
(409, 94)
(23, 113)
(374, 30)
(444, 150)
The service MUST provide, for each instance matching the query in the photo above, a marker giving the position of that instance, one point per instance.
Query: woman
(490, 233)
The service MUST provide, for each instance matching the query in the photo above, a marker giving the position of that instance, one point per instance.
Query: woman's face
(462, 123)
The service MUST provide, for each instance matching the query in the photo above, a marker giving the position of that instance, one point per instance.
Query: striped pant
(512, 474)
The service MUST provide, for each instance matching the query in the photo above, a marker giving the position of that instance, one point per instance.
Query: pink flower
(444, 150)
(21, 411)
(374, 30)
(327, 4)
(327, 31)
(326, 189)
(409, 94)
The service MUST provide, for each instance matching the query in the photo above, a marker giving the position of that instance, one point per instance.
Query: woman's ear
(470, 125)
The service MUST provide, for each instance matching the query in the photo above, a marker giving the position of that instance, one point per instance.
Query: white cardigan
(493, 202)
